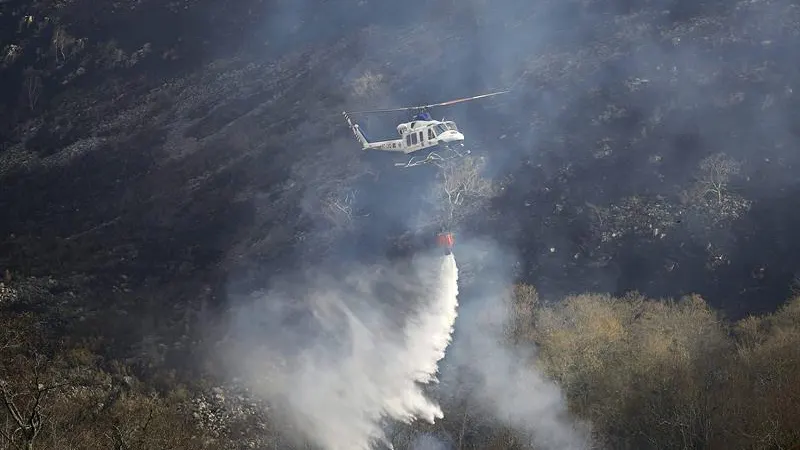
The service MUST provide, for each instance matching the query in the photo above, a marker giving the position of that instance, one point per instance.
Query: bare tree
(711, 196)
(63, 45)
(133, 433)
(461, 189)
(716, 172)
(26, 382)
(33, 87)
(338, 207)
(24, 407)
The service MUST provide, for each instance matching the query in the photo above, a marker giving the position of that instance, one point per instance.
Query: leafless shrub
(7, 294)
(337, 208)
(63, 45)
(367, 84)
(140, 54)
(651, 217)
(33, 88)
(525, 302)
(10, 53)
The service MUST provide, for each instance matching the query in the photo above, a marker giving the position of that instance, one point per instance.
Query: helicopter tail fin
(357, 131)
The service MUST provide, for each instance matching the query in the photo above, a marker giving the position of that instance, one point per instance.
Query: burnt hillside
(168, 156)
(160, 161)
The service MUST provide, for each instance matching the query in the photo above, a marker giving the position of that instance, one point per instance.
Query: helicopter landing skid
(433, 158)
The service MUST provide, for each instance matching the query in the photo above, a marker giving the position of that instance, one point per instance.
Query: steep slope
(149, 178)
(165, 187)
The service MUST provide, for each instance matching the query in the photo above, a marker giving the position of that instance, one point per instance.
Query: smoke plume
(494, 380)
(339, 355)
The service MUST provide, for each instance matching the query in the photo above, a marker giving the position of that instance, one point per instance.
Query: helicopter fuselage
(415, 135)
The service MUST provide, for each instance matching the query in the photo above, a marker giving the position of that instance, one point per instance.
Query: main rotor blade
(450, 102)
(386, 110)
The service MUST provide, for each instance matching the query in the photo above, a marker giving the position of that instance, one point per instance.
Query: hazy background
(170, 174)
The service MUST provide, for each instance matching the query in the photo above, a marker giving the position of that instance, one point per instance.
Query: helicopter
(420, 133)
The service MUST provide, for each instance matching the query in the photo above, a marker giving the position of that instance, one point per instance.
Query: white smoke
(372, 338)
(508, 387)
(498, 379)
(511, 389)
(428, 442)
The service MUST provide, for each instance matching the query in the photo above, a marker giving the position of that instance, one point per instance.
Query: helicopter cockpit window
(439, 129)
(451, 126)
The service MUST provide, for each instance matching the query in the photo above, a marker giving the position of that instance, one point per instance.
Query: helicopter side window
(414, 139)
(408, 140)
(431, 136)
(421, 136)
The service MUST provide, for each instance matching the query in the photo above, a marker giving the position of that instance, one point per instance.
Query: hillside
(161, 160)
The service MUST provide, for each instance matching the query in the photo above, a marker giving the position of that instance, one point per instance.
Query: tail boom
(357, 132)
(390, 146)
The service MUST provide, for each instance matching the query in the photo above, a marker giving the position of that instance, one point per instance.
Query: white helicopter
(422, 132)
